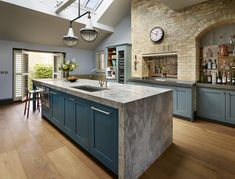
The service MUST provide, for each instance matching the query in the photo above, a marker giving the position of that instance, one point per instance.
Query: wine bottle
(224, 78)
(209, 65)
(209, 77)
(219, 78)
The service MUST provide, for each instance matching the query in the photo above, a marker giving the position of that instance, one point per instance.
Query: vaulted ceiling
(36, 25)
(26, 25)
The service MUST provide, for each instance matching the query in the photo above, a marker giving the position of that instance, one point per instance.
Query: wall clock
(156, 34)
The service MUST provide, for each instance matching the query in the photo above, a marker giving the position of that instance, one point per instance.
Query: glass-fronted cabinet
(118, 63)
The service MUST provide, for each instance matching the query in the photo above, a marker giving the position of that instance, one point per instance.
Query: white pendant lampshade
(70, 39)
(89, 33)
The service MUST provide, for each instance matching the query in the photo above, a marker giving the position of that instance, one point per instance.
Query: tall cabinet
(118, 63)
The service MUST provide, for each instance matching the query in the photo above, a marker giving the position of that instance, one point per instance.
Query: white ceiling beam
(63, 6)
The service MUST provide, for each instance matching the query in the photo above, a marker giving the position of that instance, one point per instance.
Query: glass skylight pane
(82, 2)
(92, 4)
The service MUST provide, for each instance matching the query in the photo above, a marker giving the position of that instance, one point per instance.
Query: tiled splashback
(164, 66)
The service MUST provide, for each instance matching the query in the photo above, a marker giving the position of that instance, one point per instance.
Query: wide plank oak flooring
(32, 148)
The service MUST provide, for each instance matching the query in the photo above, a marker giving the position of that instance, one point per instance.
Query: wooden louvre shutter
(17, 75)
(25, 74)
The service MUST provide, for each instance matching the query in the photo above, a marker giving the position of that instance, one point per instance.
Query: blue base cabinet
(68, 115)
(182, 99)
(230, 107)
(211, 103)
(93, 126)
(56, 108)
(182, 102)
(104, 143)
(216, 104)
(82, 125)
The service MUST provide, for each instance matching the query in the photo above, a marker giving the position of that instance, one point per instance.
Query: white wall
(83, 57)
(121, 34)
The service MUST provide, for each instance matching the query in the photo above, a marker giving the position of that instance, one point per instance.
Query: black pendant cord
(79, 16)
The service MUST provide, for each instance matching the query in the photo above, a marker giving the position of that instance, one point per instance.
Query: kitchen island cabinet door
(69, 115)
(82, 122)
(104, 140)
(230, 107)
(211, 103)
(56, 105)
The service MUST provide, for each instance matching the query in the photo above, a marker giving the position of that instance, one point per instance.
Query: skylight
(92, 4)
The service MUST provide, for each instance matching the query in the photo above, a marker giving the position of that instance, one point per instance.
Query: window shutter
(18, 74)
(25, 74)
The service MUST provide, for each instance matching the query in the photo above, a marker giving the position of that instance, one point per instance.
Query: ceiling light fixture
(89, 33)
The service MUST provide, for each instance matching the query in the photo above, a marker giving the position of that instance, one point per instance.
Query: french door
(23, 68)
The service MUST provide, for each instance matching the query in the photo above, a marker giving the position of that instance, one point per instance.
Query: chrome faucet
(103, 83)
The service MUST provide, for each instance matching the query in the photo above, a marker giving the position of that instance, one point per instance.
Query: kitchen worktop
(164, 81)
(216, 86)
(116, 94)
(144, 120)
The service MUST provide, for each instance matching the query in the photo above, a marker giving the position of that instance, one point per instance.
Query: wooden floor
(34, 149)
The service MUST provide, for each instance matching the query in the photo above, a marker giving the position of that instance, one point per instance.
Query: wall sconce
(89, 33)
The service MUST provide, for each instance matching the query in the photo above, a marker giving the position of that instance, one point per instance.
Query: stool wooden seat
(30, 96)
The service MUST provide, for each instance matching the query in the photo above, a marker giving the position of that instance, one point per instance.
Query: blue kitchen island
(125, 127)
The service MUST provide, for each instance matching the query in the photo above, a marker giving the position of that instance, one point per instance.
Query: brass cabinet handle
(99, 110)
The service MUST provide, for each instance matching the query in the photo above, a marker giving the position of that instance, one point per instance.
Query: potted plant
(68, 66)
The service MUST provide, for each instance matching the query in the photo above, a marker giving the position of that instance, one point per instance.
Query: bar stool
(30, 96)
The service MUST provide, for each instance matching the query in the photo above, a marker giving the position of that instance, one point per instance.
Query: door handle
(99, 110)
(53, 93)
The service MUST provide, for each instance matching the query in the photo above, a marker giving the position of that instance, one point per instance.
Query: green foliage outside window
(42, 71)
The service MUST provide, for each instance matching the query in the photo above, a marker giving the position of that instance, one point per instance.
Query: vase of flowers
(68, 66)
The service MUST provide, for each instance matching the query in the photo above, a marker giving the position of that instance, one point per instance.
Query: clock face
(156, 34)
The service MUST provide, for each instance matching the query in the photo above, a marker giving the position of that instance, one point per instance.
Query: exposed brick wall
(182, 30)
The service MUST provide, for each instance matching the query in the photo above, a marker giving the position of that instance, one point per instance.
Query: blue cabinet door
(69, 115)
(82, 122)
(56, 108)
(211, 103)
(104, 136)
(182, 102)
(230, 107)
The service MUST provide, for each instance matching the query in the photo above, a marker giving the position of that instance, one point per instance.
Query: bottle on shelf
(233, 79)
(209, 64)
(224, 78)
(213, 74)
(214, 64)
(228, 78)
(204, 65)
(202, 76)
(219, 78)
(209, 77)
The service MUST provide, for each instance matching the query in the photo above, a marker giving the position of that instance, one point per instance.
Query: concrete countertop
(215, 86)
(164, 81)
(116, 94)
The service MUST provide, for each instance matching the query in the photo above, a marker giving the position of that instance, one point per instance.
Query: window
(93, 4)
(100, 63)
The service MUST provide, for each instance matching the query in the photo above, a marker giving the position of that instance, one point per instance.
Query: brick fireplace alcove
(183, 30)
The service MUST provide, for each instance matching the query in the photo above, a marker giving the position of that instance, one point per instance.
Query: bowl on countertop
(72, 78)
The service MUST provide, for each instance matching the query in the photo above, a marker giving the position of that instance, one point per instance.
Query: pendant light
(70, 39)
(89, 33)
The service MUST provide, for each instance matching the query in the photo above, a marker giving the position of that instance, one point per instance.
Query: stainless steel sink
(89, 88)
